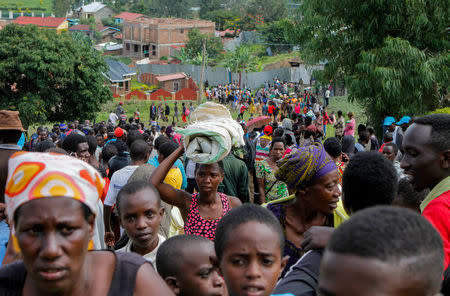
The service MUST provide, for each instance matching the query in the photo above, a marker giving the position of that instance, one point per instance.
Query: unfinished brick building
(158, 37)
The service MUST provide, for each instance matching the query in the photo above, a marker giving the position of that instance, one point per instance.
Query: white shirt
(113, 118)
(327, 93)
(118, 180)
(149, 256)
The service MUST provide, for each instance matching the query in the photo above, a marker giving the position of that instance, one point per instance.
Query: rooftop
(129, 16)
(169, 77)
(87, 28)
(49, 21)
(92, 7)
(118, 71)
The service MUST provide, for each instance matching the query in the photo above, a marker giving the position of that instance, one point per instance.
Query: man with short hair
(427, 165)
(383, 250)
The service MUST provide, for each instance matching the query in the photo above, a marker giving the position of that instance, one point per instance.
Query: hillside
(27, 6)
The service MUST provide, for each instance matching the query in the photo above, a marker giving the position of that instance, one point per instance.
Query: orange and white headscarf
(34, 175)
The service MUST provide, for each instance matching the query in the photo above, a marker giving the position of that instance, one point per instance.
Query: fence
(220, 75)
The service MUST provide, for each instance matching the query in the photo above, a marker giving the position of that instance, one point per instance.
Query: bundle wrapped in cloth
(211, 133)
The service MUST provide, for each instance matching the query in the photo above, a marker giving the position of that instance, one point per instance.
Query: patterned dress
(278, 190)
(196, 225)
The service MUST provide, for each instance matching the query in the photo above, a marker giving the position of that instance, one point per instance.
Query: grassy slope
(23, 4)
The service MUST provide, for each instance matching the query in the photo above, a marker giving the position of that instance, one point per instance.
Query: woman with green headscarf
(312, 176)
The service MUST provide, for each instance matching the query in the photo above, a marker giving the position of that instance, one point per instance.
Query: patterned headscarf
(37, 175)
(303, 165)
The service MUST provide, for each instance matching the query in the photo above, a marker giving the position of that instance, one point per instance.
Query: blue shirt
(4, 237)
(179, 164)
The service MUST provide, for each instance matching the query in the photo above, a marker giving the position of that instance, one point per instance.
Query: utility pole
(200, 98)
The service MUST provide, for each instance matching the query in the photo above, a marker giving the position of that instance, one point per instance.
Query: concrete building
(96, 10)
(158, 37)
(59, 24)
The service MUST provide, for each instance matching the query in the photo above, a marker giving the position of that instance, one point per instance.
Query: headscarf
(169, 131)
(287, 124)
(348, 145)
(37, 175)
(304, 165)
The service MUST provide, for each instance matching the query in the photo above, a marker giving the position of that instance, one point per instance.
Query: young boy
(140, 213)
(383, 251)
(249, 245)
(189, 266)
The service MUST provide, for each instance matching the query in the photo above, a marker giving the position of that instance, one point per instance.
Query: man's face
(100, 141)
(421, 162)
(350, 275)
(83, 151)
(200, 272)
(388, 152)
(140, 215)
(391, 128)
(43, 136)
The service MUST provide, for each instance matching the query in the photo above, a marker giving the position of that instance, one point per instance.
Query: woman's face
(277, 151)
(53, 236)
(323, 194)
(208, 177)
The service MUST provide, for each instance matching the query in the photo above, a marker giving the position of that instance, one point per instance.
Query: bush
(441, 111)
(164, 58)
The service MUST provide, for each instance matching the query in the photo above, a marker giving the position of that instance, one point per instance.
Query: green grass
(32, 5)
(342, 103)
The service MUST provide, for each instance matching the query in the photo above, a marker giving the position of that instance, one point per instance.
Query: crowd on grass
(116, 207)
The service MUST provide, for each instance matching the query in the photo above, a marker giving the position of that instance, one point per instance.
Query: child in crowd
(140, 213)
(249, 245)
(189, 266)
(383, 251)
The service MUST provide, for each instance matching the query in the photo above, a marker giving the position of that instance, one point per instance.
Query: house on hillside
(96, 10)
(119, 76)
(170, 82)
(126, 16)
(59, 24)
(156, 37)
(107, 34)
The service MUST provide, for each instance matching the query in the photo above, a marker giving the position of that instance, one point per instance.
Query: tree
(275, 33)
(50, 77)
(241, 60)
(194, 45)
(60, 7)
(207, 6)
(170, 8)
(269, 10)
(393, 54)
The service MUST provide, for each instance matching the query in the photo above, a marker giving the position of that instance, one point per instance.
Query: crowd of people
(116, 208)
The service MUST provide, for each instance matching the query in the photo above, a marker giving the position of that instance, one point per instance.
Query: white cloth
(113, 118)
(99, 231)
(149, 256)
(118, 180)
(211, 134)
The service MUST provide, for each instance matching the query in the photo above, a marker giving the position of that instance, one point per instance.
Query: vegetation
(38, 6)
(48, 76)
(241, 60)
(194, 45)
(393, 55)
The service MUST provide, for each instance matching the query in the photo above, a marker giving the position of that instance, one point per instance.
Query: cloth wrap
(304, 165)
(211, 133)
(34, 175)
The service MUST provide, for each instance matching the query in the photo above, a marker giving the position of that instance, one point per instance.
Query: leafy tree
(178, 8)
(224, 18)
(49, 76)
(275, 33)
(269, 10)
(241, 60)
(207, 6)
(60, 7)
(183, 56)
(194, 45)
(393, 54)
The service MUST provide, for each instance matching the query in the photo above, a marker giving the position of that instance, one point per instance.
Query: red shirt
(271, 108)
(437, 212)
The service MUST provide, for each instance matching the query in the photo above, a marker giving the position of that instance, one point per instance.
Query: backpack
(186, 112)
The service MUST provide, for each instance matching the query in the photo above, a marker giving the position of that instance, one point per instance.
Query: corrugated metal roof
(92, 7)
(117, 70)
(40, 21)
(171, 77)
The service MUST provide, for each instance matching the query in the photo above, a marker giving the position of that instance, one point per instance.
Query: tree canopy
(393, 54)
(194, 45)
(48, 76)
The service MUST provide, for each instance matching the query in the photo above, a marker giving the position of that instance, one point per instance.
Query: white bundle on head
(211, 134)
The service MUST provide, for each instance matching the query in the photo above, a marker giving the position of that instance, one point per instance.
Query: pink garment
(349, 129)
(297, 109)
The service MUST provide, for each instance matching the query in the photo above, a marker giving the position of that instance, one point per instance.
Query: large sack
(211, 133)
